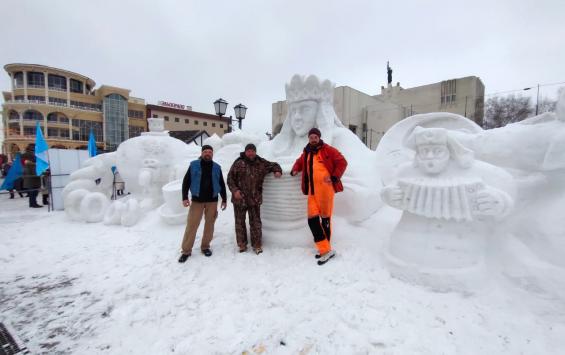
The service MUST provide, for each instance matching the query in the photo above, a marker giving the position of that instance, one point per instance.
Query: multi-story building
(370, 116)
(182, 118)
(68, 107)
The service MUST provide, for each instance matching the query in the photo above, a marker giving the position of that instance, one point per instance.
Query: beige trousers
(197, 209)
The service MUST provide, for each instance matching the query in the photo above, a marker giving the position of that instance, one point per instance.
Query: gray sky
(193, 52)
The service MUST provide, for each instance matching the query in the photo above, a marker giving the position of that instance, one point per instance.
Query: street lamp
(537, 98)
(240, 111)
(220, 105)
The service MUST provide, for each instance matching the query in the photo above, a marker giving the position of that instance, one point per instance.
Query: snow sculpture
(310, 104)
(83, 197)
(533, 150)
(146, 163)
(449, 201)
(172, 211)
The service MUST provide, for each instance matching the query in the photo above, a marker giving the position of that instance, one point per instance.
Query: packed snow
(70, 287)
(448, 240)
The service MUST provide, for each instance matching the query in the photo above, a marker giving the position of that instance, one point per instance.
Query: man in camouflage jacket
(245, 181)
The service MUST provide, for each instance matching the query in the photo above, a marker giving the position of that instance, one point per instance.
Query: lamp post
(537, 98)
(220, 106)
(240, 111)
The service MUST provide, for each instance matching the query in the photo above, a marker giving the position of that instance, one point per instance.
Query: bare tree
(546, 105)
(499, 111)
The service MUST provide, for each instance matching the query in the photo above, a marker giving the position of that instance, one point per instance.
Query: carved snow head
(434, 148)
(310, 104)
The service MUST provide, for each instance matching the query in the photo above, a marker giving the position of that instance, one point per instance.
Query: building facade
(68, 107)
(184, 119)
(370, 116)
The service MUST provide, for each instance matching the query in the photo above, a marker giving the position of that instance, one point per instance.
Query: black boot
(45, 200)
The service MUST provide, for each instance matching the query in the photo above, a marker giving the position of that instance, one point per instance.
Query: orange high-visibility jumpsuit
(320, 204)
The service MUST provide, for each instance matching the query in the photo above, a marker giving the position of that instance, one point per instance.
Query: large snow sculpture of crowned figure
(310, 104)
(450, 201)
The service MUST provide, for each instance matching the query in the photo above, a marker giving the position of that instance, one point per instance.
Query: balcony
(57, 104)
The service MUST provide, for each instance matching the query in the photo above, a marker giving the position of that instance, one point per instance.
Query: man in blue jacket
(205, 181)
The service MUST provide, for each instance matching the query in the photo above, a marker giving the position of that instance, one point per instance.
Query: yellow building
(68, 107)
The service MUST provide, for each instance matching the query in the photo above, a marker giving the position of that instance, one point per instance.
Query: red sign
(171, 104)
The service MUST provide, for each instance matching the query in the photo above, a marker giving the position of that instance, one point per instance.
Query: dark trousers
(255, 225)
(33, 197)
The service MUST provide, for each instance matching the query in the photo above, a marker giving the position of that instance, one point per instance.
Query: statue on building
(389, 73)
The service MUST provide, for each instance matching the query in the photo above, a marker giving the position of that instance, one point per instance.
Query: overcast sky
(192, 52)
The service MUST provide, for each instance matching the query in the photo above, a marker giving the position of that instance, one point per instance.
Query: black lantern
(240, 111)
(220, 105)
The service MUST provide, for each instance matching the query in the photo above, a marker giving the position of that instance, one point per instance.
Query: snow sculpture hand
(492, 202)
(392, 195)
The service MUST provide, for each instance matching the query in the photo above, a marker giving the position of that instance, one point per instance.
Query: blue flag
(15, 172)
(91, 145)
(41, 160)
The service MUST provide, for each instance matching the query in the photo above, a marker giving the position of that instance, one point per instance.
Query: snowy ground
(78, 288)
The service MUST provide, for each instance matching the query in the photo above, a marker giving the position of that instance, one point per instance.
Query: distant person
(119, 183)
(45, 186)
(32, 183)
(322, 167)
(205, 182)
(245, 181)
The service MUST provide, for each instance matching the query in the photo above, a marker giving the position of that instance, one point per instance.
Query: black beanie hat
(206, 146)
(251, 146)
(315, 131)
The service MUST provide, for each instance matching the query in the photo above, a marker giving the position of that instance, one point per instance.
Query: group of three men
(322, 167)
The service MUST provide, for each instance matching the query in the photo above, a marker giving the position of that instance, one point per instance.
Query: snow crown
(303, 88)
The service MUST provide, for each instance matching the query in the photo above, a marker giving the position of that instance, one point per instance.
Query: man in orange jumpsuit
(322, 167)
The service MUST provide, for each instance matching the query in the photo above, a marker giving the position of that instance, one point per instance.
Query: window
(36, 98)
(35, 79)
(86, 106)
(205, 123)
(221, 125)
(135, 114)
(76, 86)
(13, 116)
(213, 124)
(81, 130)
(186, 120)
(166, 118)
(448, 91)
(14, 129)
(29, 131)
(57, 82)
(135, 131)
(116, 129)
(196, 122)
(57, 117)
(19, 79)
(19, 97)
(155, 116)
(57, 101)
(32, 115)
(177, 119)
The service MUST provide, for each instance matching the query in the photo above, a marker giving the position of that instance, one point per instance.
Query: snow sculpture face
(303, 116)
(310, 103)
(432, 158)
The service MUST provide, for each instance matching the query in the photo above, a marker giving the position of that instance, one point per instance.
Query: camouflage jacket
(247, 177)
